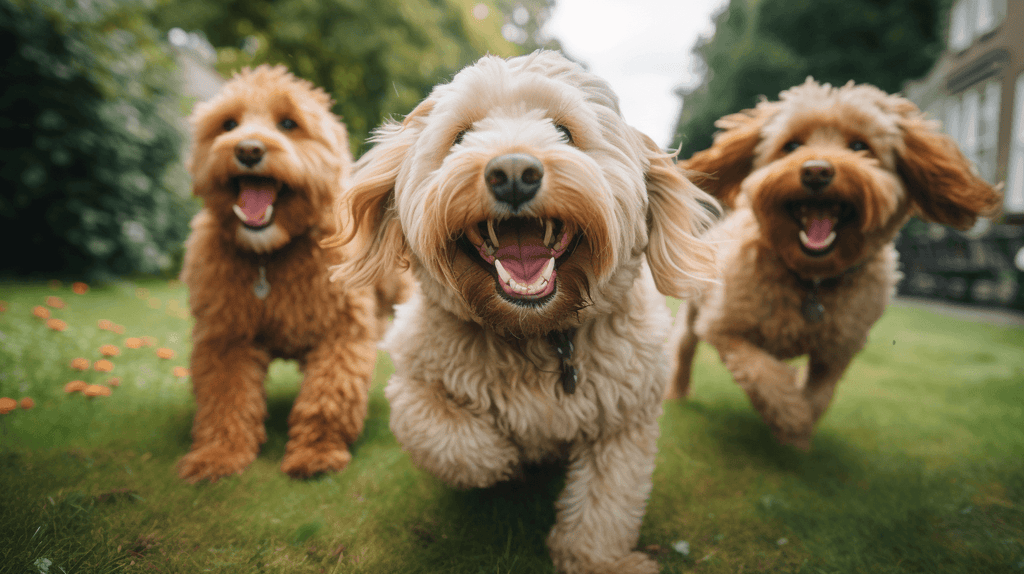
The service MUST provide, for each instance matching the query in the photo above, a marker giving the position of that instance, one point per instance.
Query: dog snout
(515, 178)
(250, 152)
(816, 174)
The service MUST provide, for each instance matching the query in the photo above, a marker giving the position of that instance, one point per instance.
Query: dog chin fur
(476, 392)
(852, 160)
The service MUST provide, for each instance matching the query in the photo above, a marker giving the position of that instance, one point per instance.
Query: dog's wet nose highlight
(514, 179)
(250, 152)
(816, 174)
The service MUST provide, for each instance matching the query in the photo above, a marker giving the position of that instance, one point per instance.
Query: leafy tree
(761, 47)
(375, 58)
(90, 140)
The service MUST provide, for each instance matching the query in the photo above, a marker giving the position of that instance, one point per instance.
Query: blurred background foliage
(89, 116)
(93, 110)
(377, 59)
(761, 47)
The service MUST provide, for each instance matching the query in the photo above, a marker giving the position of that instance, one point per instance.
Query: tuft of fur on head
(889, 163)
(607, 197)
(263, 205)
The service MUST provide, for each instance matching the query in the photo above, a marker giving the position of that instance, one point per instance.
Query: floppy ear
(722, 167)
(938, 177)
(366, 216)
(679, 214)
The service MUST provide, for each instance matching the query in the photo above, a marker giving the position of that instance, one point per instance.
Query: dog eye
(565, 131)
(857, 145)
(229, 125)
(458, 137)
(288, 124)
(790, 146)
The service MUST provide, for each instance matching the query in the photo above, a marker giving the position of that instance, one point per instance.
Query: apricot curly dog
(819, 184)
(268, 161)
(540, 227)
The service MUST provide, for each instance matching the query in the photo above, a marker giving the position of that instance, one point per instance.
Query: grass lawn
(917, 467)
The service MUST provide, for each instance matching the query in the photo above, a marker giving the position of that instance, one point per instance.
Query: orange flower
(96, 391)
(142, 293)
(56, 324)
(27, 403)
(105, 324)
(55, 302)
(165, 353)
(80, 364)
(41, 312)
(3, 306)
(149, 341)
(180, 372)
(114, 381)
(133, 342)
(119, 329)
(7, 405)
(103, 366)
(74, 386)
(110, 351)
(79, 288)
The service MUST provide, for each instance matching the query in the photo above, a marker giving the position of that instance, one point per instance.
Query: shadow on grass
(498, 529)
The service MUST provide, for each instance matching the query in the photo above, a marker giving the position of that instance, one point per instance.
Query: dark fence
(977, 267)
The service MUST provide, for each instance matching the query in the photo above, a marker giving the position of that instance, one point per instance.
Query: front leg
(605, 497)
(330, 409)
(227, 381)
(772, 387)
(679, 384)
(823, 373)
(449, 438)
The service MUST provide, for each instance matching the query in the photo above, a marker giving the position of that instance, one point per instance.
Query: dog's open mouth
(255, 203)
(820, 223)
(522, 253)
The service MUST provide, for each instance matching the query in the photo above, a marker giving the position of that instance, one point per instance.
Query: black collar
(562, 343)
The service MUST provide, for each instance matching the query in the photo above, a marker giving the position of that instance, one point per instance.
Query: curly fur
(476, 391)
(331, 331)
(889, 164)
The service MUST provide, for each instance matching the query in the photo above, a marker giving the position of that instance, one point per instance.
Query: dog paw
(632, 563)
(212, 463)
(307, 461)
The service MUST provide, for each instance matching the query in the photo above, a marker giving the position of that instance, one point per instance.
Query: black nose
(250, 152)
(514, 178)
(816, 174)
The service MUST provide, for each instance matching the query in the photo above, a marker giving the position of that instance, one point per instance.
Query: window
(960, 28)
(988, 125)
(972, 120)
(971, 19)
(1013, 201)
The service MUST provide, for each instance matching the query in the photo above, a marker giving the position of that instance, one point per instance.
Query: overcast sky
(641, 47)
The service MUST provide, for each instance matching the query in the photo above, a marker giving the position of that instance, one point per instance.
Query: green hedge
(91, 141)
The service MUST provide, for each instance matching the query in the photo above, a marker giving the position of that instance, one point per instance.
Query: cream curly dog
(819, 184)
(540, 228)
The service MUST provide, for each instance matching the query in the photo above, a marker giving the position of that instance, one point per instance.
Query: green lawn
(917, 467)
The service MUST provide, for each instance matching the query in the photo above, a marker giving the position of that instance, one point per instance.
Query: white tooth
(803, 237)
(494, 236)
(549, 228)
(505, 276)
(831, 238)
(266, 216)
(549, 268)
(238, 211)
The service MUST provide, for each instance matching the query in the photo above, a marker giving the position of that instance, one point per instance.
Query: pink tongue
(817, 232)
(523, 262)
(254, 198)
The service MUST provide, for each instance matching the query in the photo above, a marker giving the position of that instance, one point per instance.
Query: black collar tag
(562, 342)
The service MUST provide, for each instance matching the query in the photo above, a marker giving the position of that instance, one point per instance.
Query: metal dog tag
(262, 287)
(813, 310)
